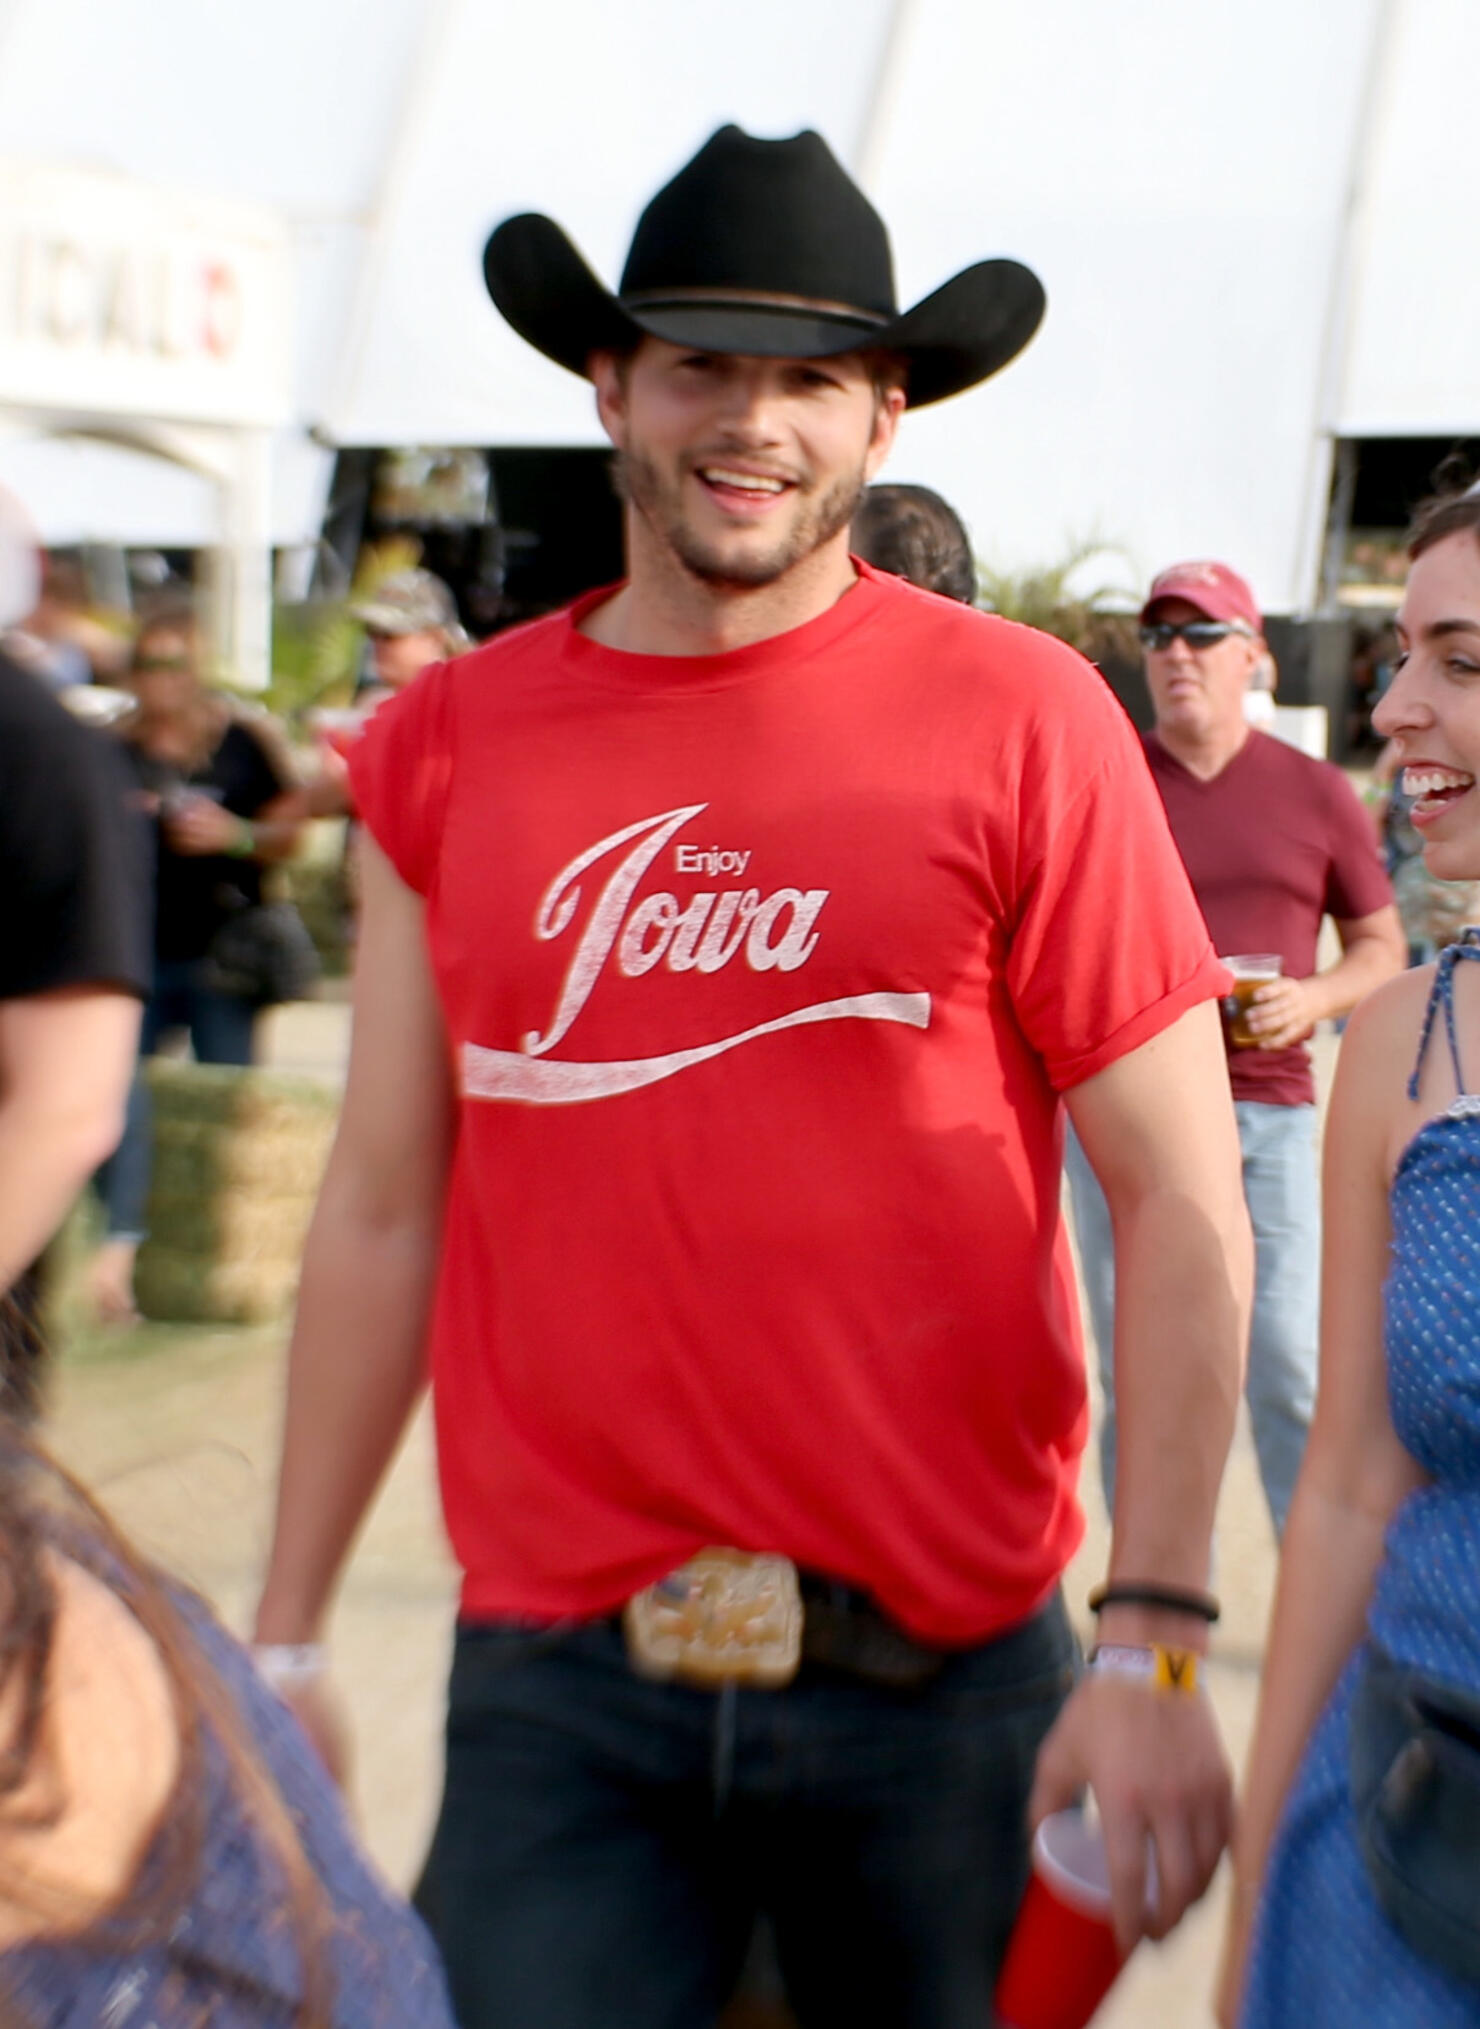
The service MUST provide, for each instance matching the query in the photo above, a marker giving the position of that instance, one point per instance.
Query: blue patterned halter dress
(1324, 1954)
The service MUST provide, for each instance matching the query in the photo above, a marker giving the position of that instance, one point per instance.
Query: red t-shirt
(761, 974)
(1274, 843)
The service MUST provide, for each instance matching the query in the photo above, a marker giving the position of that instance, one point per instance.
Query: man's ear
(610, 383)
(888, 408)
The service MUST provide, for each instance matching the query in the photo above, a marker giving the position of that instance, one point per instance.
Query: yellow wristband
(1163, 1668)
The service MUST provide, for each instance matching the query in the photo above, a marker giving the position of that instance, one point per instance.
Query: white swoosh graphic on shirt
(544, 1081)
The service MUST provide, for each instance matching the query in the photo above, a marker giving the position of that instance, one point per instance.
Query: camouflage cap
(407, 602)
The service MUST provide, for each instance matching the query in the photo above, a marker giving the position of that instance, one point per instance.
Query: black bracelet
(1171, 1598)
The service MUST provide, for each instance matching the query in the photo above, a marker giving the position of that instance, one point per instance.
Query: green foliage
(1050, 597)
(316, 646)
(315, 652)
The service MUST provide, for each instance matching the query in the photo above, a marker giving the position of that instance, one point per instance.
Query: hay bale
(234, 1224)
(224, 1095)
(194, 1158)
(184, 1288)
(238, 1158)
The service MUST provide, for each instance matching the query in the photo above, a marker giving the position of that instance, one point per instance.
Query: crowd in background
(215, 792)
(227, 787)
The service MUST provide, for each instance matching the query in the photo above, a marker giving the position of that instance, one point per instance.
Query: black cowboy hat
(768, 248)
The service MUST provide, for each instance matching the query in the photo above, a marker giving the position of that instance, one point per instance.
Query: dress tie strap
(1467, 945)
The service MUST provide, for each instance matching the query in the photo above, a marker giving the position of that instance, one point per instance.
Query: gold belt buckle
(724, 1617)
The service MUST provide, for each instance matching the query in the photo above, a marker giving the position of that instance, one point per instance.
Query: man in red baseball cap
(1213, 590)
(1274, 842)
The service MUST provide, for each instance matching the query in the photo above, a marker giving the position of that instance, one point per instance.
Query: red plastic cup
(1062, 1957)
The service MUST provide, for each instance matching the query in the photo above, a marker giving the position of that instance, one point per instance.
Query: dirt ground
(177, 1428)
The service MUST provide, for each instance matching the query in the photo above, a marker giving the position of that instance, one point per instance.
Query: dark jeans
(605, 1842)
(220, 1027)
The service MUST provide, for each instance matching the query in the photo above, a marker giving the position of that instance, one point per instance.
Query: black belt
(846, 1630)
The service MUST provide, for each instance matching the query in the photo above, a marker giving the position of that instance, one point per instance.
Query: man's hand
(198, 826)
(1161, 1782)
(319, 1710)
(1285, 1011)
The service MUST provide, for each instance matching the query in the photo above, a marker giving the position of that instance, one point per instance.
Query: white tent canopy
(1253, 217)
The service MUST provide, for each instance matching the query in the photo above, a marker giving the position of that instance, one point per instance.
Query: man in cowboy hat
(724, 964)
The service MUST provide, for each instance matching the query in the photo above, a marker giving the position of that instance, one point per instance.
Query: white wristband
(1163, 1668)
(286, 1664)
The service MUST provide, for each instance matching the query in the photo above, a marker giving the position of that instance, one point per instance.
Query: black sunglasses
(1160, 634)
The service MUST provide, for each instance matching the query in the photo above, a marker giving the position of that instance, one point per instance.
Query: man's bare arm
(66, 1058)
(356, 1361)
(1373, 951)
(1159, 1130)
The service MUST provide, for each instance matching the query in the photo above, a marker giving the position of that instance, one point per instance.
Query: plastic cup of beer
(1062, 1957)
(1251, 970)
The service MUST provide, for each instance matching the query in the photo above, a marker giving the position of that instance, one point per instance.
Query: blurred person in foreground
(1274, 842)
(730, 941)
(216, 783)
(1357, 1838)
(913, 533)
(74, 965)
(171, 1850)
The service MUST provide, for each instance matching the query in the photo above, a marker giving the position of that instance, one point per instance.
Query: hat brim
(390, 619)
(1211, 608)
(965, 331)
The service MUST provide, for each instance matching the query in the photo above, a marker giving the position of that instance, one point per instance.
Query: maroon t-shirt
(1272, 844)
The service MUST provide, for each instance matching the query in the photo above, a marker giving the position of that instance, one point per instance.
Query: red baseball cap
(1213, 588)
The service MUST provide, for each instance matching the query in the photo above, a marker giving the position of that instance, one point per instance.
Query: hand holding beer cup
(1267, 1010)
(1254, 974)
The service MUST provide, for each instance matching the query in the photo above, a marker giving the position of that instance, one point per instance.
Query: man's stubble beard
(817, 522)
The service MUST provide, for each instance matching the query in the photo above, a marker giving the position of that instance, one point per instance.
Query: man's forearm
(1182, 1300)
(1360, 970)
(355, 1370)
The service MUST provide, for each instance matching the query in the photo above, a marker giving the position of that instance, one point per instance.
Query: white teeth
(749, 482)
(1434, 781)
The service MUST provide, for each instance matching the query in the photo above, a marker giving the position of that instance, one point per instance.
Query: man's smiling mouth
(735, 488)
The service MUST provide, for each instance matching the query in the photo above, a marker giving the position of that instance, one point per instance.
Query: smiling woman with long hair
(171, 1852)
(1357, 1869)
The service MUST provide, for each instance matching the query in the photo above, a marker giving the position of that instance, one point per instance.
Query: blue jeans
(605, 1842)
(1282, 1191)
(220, 1027)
